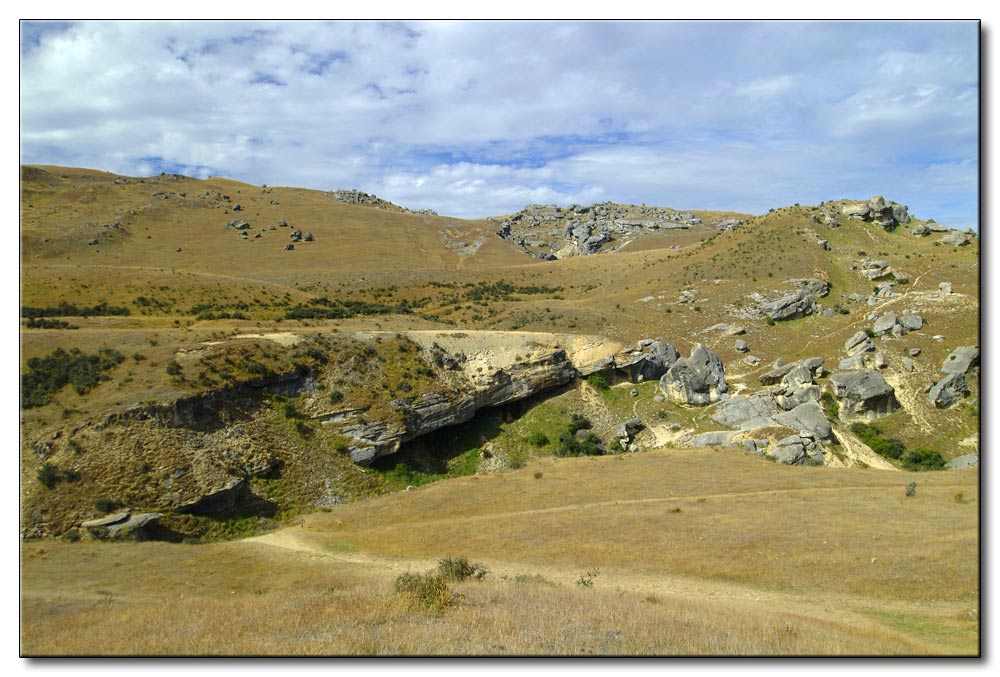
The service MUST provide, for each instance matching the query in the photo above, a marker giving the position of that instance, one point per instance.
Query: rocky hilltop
(549, 232)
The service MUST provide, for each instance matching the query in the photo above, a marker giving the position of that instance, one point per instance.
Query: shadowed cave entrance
(457, 450)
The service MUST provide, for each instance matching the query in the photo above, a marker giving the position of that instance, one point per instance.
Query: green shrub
(460, 569)
(830, 406)
(537, 438)
(598, 381)
(106, 505)
(429, 591)
(48, 475)
(923, 459)
(48, 375)
(336, 397)
(173, 368)
(872, 436)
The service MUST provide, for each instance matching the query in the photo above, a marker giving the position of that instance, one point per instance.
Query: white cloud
(475, 119)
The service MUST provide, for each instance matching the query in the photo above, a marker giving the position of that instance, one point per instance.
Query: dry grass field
(666, 551)
(687, 552)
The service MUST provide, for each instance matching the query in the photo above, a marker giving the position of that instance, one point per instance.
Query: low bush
(429, 591)
(598, 381)
(872, 436)
(460, 569)
(923, 459)
(537, 438)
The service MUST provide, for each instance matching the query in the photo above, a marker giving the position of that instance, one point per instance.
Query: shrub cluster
(911, 459)
(598, 381)
(48, 375)
(573, 444)
(64, 309)
(430, 590)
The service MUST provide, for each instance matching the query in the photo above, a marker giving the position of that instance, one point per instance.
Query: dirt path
(830, 607)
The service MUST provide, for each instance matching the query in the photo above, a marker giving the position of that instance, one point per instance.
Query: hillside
(206, 359)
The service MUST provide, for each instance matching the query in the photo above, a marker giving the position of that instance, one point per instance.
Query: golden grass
(760, 559)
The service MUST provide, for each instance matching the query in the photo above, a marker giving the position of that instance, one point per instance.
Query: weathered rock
(945, 287)
(218, 500)
(908, 365)
(795, 304)
(776, 374)
(123, 525)
(873, 269)
(648, 364)
(962, 462)
(961, 360)
(955, 239)
(807, 416)
(741, 346)
(864, 393)
(878, 361)
(913, 352)
(858, 344)
(713, 439)
(746, 411)
(851, 363)
(308, 237)
(921, 231)
(697, 379)
(948, 391)
(824, 245)
(627, 430)
(296, 235)
(289, 247)
(912, 322)
(884, 324)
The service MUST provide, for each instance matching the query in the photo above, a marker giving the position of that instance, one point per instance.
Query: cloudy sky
(474, 119)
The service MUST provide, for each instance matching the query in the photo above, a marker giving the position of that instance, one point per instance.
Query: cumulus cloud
(475, 119)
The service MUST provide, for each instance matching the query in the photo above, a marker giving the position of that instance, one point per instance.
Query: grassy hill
(143, 302)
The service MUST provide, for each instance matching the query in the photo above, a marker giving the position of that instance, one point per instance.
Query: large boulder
(697, 379)
(961, 360)
(807, 416)
(746, 411)
(962, 462)
(649, 362)
(955, 239)
(885, 324)
(797, 450)
(948, 391)
(864, 393)
(795, 304)
(123, 525)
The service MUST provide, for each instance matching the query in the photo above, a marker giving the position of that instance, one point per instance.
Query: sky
(475, 119)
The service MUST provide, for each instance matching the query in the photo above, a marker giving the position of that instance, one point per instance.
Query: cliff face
(426, 413)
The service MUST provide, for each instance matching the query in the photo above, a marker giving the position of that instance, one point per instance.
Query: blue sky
(475, 119)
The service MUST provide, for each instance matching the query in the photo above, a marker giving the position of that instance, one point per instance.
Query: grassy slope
(775, 560)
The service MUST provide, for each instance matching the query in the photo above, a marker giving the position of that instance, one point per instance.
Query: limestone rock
(961, 360)
(858, 344)
(697, 379)
(948, 391)
(218, 500)
(955, 239)
(123, 525)
(864, 393)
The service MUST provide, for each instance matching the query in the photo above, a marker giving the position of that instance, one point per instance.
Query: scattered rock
(859, 344)
(911, 322)
(945, 287)
(961, 360)
(741, 346)
(884, 324)
(308, 237)
(955, 239)
(948, 391)
(908, 365)
(289, 247)
(221, 499)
